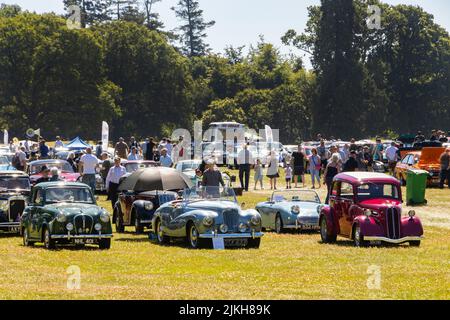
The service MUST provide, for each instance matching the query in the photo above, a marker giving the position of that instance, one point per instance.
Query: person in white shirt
(88, 168)
(134, 156)
(392, 157)
(113, 179)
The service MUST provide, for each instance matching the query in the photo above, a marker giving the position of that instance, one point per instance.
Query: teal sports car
(290, 209)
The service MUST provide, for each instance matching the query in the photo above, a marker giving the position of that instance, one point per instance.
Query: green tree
(193, 30)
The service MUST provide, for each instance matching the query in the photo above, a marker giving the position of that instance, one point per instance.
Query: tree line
(124, 67)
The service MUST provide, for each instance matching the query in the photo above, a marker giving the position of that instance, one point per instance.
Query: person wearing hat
(212, 177)
(45, 171)
(113, 179)
(351, 164)
(445, 168)
(365, 159)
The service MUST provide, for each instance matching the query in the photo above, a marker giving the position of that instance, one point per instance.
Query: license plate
(84, 241)
(308, 226)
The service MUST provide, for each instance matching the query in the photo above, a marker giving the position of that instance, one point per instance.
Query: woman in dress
(331, 170)
(272, 170)
(315, 164)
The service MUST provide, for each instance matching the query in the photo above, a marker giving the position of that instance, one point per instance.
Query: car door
(35, 212)
(346, 199)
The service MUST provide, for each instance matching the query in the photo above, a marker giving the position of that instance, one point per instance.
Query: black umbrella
(158, 178)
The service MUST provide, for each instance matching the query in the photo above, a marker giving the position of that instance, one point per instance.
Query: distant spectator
(445, 168)
(331, 170)
(165, 160)
(314, 168)
(149, 149)
(323, 153)
(113, 179)
(419, 137)
(351, 164)
(288, 175)
(259, 175)
(299, 166)
(19, 160)
(43, 150)
(44, 175)
(212, 177)
(106, 165)
(121, 150)
(55, 174)
(392, 157)
(99, 149)
(244, 161)
(272, 170)
(71, 160)
(88, 165)
(58, 143)
(378, 151)
(353, 145)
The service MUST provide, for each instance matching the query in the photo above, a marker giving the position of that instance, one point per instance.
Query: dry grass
(290, 266)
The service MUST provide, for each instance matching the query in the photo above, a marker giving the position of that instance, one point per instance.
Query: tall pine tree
(194, 27)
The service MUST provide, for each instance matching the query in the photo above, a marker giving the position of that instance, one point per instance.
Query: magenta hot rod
(367, 208)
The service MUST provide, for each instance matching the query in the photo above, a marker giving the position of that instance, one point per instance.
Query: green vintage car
(65, 213)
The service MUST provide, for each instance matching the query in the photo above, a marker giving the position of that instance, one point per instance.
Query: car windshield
(69, 194)
(189, 165)
(296, 195)
(377, 190)
(15, 184)
(209, 193)
(63, 166)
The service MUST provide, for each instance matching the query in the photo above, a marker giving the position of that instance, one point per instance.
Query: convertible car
(65, 169)
(67, 213)
(290, 209)
(205, 214)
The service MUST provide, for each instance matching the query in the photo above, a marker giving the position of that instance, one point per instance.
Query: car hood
(75, 208)
(306, 208)
(376, 204)
(430, 156)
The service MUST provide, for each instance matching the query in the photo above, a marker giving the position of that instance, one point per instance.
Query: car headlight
(224, 228)
(411, 213)
(149, 206)
(104, 217)
(61, 217)
(98, 226)
(69, 226)
(255, 220)
(4, 205)
(208, 221)
(295, 209)
(242, 227)
(367, 213)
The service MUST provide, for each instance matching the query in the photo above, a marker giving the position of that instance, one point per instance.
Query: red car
(366, 207)
(65, 169)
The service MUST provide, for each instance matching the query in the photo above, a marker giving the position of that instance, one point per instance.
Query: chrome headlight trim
(255, 220)
(61, 217)
(149, 206)
(223, 228)
(295, 209)
(69, 226)
(104, 217)
(208, 221)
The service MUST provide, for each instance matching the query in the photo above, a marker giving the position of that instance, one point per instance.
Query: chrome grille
(231, 219)
(393, 223)
(83, 224)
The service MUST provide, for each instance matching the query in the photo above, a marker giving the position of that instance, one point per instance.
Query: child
(259, 174)
(288, 173)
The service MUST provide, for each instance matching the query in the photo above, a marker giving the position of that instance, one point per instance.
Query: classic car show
(241, 151)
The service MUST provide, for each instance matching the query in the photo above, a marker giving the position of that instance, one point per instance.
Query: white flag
(105, 136)
(5, 137)
(269, 134)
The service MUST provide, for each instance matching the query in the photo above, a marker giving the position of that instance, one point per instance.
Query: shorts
(392, 165)
(271, 176)
(299, 171)
(288, 179)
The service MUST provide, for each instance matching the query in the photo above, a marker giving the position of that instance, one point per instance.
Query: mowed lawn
(289, 266)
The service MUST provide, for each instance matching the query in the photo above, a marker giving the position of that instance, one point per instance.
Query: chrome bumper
(231, 235)
(396, 241)
(302, 227)
(10, 224)
(82, 236)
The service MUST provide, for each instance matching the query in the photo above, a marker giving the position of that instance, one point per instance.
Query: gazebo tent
(77, 144)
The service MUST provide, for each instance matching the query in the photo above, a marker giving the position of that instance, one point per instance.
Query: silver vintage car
(205, 214)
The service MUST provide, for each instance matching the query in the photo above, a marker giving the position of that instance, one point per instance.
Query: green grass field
(289, 266)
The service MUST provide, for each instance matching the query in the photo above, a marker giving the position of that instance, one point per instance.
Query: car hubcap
(160, 232)
(194, 236)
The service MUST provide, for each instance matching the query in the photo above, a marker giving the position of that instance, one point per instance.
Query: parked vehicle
(137, 208)
(426, 159)
(64, 167)
(15, 189)
(5, 163)
(367, 208)
(65, 213)
(290, 209)
(207, 213)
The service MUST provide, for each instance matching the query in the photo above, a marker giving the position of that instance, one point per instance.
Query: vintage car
(5, 163)
(15, 190)
(189, 167)
(137, 209)
(208, 213)
(367, 208)
(65, 213)
(290, 209)
(427, 159)
(65, 169)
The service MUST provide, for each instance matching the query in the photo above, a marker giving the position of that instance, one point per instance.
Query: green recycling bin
(416, 184)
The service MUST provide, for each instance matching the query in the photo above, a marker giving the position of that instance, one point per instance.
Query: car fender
(197, 216)
(332, 223)
(251, 212)
(140, 211)
(411, 227)
(368, 226)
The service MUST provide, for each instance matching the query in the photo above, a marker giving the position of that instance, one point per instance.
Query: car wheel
(253, 243)
(120, 228)
(358, 237)
(104, 244)
(414, 243)
(26, 238)
(278, 224)
(49, 243)
(137, 226)
(193, 237)
(162, 239)
(324, 234)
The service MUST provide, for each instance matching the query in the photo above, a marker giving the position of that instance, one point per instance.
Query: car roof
(13, 173)
(43, 161)
(359, 177)
(45, 185)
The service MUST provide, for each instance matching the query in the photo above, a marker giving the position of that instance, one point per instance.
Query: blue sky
(240, 22)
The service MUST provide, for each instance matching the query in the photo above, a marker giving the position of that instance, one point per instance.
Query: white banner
(5, 137)
(105, 136)
(269, 134)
